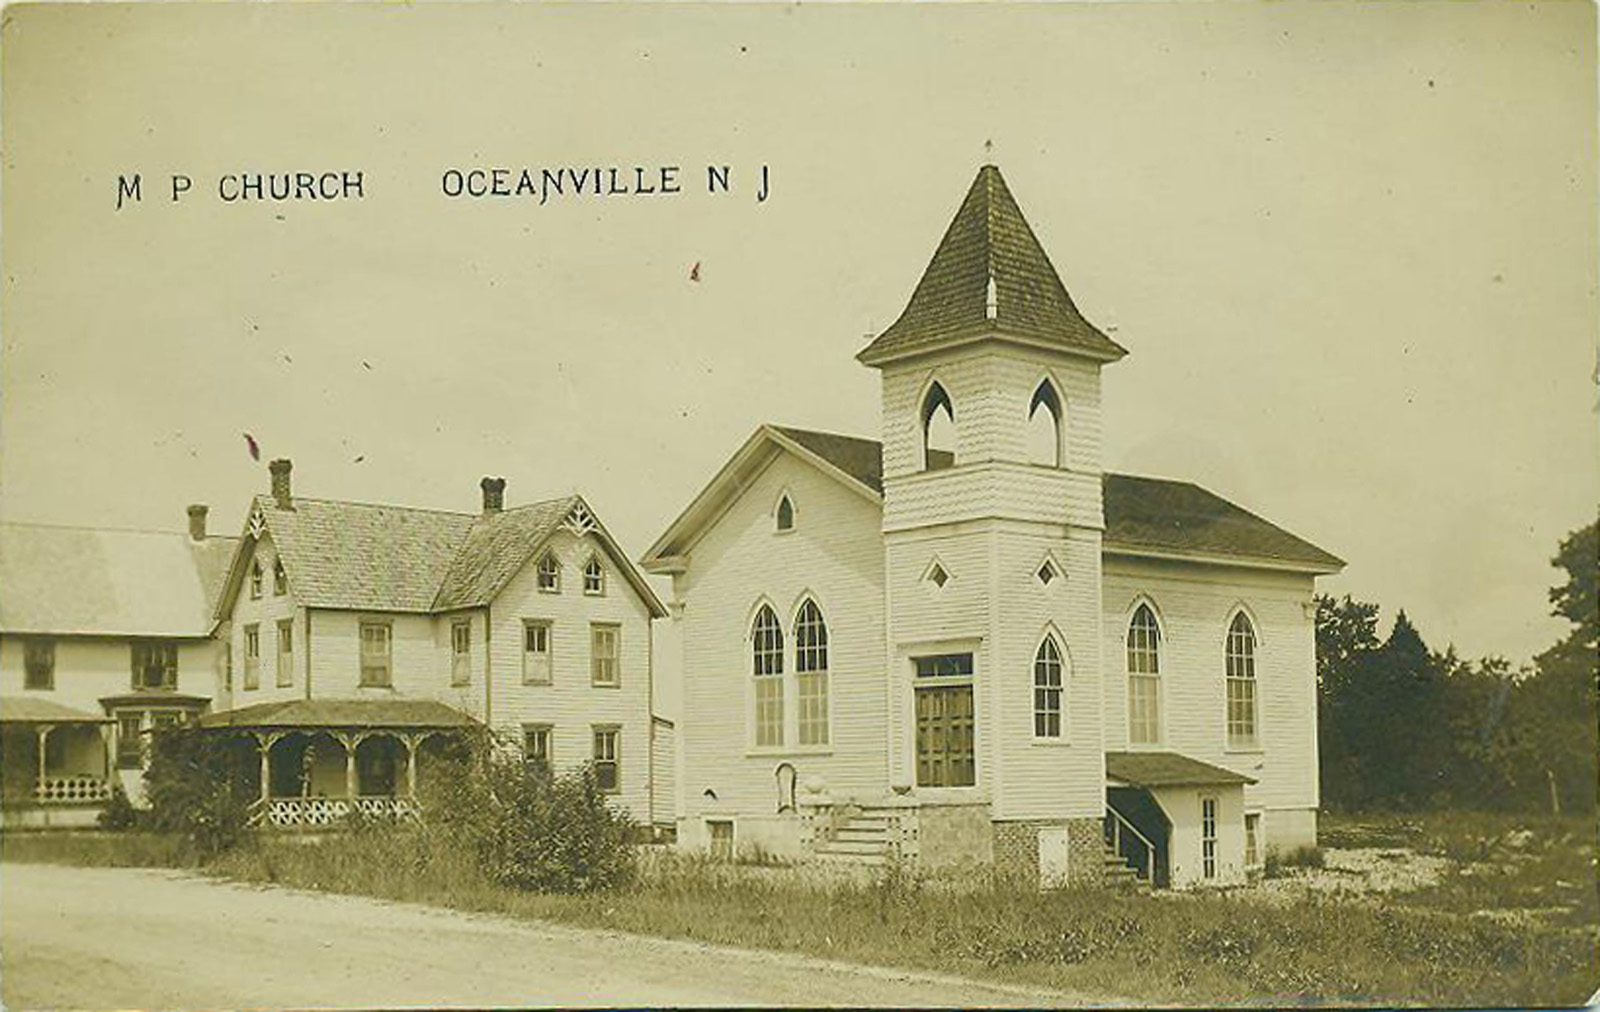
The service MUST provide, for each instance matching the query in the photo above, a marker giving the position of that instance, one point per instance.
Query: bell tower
(992, 530)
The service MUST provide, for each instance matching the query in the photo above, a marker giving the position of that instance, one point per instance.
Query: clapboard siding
(996, 489)
(663, 774)
(1194, 605)
(834, 554)
(265, 613)
(419, 660)
(571, 704)
(90, 668)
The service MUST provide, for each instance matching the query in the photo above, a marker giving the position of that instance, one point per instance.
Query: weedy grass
(97, 848)
(1199, 948)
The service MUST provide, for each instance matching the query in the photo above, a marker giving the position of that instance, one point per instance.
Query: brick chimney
(197, 521)
(280, 469)
(494, 494)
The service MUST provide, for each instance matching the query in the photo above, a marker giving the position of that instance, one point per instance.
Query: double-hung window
(461, 651)
(1144, 678)
(1047, 690)
(155, 665)
(811, 673)
(39, 664)
(536, 746)
(605, 650)
(607, 759)
(1241, 674)
(766, 650)
(252, 656)
(285, 653)
(377, 654)
(536, 668)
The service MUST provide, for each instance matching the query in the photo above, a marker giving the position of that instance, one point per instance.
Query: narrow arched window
(938, 430)
(811, 671)
(785, 514)
(1144, 678)
(1047, 690)
(549, 573)
(1241, 674)
(280, 578)
(255, 578)
(766, 650)
(594, 577)
(1044, 427)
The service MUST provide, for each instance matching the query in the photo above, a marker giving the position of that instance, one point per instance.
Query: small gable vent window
(785, 514)
(280, 579)
(937, 576)
(1047, 573)
(549, 573)
(594, 578)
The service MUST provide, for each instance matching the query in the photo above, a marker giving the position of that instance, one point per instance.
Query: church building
(967, 644)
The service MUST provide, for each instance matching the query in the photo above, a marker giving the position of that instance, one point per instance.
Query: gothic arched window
(1047, 690)
(1144, 678)
(1045, 436)
(1241, 673)
(938, 429)
(766, 653)
(811, 673)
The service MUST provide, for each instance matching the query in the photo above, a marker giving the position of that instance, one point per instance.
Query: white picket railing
(78, 789)
(303, 813)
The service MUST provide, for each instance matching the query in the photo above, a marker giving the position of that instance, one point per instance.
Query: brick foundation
(1016, 850)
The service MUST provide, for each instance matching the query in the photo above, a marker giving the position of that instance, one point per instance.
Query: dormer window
(280, 579)
(550, 573)
(785, 514)
(594, 577)
(255, 579)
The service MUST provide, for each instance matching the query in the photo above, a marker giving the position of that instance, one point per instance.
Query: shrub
(198, 788)
(528, 829)
(119, 814)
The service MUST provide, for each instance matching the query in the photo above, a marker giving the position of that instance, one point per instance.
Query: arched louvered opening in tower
(1046, 427)
(938, 429)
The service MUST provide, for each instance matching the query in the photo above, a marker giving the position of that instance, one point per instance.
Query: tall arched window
(1241, 673)
(766, 650)
(1144, 678)
(785, 514)
(938, 429)
(811, 673)
(1047, 690)
(1044, 427)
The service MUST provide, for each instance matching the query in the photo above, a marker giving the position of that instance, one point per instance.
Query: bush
(528, 829)
(119, 814)
(197, 784)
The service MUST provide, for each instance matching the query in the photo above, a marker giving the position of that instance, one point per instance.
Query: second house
(361, 638)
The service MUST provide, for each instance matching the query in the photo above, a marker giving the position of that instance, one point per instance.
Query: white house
(362, 636)
(105, 635)
(967, 644)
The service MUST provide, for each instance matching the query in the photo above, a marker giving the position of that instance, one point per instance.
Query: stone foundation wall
(1016, 850)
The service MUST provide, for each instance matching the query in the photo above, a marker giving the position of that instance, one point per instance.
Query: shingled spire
(989, 278)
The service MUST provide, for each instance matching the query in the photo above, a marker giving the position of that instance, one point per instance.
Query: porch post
(350, 740)
(44, 738)
(411, 742)
(105, 749)
(264, 743)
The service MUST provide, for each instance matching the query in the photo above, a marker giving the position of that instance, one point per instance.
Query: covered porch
(318, 762)
(55, 763)
(1175, 820)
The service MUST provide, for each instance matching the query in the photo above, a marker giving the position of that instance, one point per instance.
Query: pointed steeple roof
(989, 278)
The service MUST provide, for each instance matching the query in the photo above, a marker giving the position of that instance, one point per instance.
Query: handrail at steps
(1118, 821)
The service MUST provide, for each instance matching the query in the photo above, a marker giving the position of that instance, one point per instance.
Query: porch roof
(27, 710)
(342, 713)
(1167, 769)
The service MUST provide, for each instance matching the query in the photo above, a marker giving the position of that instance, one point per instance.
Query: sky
(1351, 249)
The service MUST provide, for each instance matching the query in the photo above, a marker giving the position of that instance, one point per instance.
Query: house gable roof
(362, 556)
(989, 239)
(1144, 516)
(96, 582)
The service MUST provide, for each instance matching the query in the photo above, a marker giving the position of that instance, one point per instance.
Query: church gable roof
(1143, 516)
(989, 239)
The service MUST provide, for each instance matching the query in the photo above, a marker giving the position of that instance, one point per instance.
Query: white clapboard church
(970, 645)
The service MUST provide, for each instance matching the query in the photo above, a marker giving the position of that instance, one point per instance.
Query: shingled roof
(1143, 516)
(989, 239)
(355, 555)
(1167, 769)
(97, 582)
(365, 713)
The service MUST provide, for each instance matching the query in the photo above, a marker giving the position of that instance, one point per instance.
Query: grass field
(1424, 946)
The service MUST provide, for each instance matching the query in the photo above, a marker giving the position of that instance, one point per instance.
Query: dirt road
(103, 938)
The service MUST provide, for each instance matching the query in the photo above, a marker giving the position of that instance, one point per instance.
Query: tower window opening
(938, 430)
(1044, 427)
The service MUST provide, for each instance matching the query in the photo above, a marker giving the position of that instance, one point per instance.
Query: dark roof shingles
(1154, 514)
(1167, 769)
(989, 237)
(419, 713)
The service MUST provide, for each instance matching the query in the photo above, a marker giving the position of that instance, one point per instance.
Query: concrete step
(863, 833)
(840, 846)
(843, 857)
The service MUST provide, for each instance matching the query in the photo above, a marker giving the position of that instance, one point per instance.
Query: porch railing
(1118, 829)
(78, 789)
(300, 813)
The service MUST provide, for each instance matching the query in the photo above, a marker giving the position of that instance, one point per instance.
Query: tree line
(1404, 726)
